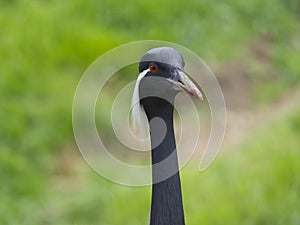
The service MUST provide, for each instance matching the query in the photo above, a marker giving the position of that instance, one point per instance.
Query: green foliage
(45, 46)
(256, 183)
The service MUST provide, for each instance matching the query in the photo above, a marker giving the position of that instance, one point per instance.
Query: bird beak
(185, 83)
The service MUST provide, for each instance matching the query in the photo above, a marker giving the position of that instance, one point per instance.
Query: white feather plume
(138, 117)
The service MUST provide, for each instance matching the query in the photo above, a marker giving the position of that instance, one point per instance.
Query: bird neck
(166, 205)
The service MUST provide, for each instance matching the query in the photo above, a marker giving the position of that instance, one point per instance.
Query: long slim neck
(166, 205)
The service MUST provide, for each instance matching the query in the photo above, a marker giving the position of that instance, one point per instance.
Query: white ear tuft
(138, 117)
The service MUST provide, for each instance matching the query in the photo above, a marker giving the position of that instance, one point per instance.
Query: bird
(161, 77)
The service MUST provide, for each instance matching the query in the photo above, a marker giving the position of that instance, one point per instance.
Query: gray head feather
(164, 55)
(161, 55)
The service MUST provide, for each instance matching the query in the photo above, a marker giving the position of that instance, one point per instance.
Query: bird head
(161, 76)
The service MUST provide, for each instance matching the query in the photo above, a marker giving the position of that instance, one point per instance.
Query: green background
(45, 46)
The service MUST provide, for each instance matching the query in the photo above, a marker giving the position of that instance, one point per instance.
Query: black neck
(166, 205)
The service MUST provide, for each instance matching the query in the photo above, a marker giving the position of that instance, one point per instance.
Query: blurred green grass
(255, 183)
(45, 46)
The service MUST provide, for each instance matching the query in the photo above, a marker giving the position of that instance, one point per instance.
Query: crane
(161, 78)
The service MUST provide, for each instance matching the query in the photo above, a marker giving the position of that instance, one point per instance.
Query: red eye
(153, 68)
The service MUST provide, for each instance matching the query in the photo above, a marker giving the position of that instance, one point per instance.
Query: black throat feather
(166, 204)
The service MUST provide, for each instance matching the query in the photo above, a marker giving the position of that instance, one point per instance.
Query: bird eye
(153, 68)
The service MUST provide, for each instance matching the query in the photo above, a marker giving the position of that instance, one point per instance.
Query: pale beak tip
(196, 93)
